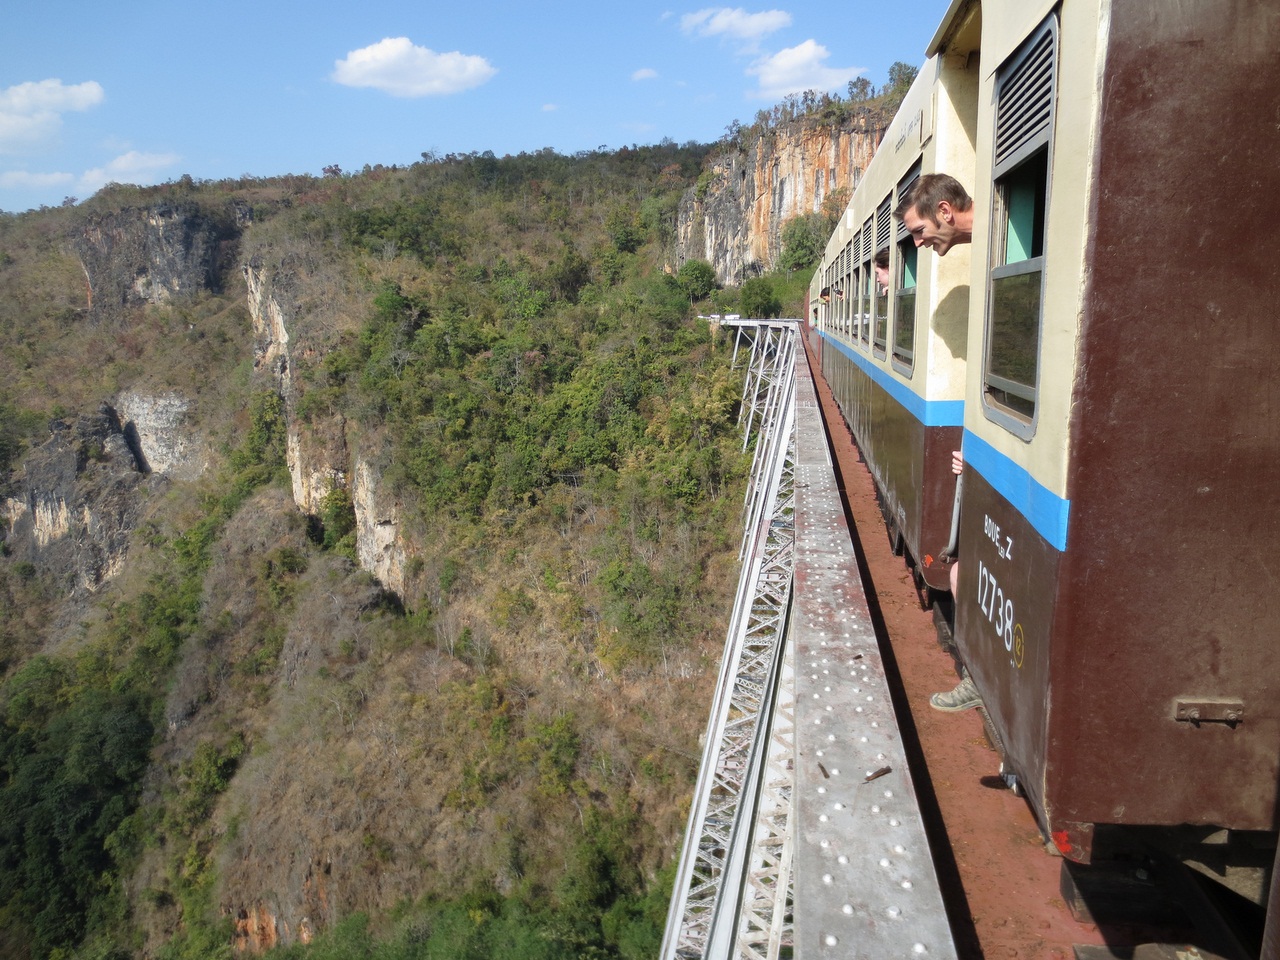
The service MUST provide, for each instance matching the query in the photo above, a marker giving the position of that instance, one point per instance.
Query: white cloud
(395, 66)
(22, 179)
(31, 113)
(50, 95)
(550, 108)
(734, 22)
(132, 167)
(797, 69)
(644, 73)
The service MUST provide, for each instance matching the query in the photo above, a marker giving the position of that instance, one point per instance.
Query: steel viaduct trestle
(805, 838)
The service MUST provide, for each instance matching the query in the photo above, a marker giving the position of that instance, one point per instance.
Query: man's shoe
(964, 696)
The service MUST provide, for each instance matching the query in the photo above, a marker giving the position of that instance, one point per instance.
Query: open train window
(866, 289)
(851, 307)
(842, 285)
(846, 284)
(884, 229)
(1025, 88)
(833, 305)
(904, 308)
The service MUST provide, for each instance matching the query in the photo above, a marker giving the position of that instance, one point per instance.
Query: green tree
(901, 76)
(264, 441)
(624, 230)
(803, 238)
(758, 301)
(861, 90)
(338, 517)
(697, 278)
(67, 788)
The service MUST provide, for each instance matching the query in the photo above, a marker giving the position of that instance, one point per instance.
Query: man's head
(938, 213)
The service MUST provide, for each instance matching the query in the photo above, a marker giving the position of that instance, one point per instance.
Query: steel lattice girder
(708, 885)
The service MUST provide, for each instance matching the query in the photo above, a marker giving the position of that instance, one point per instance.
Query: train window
(848, 286)
(833, 304)
(851, 306)
(884, 230)
(826, 295)
(868, 301)
(866, 290)
(904, 309)
(1024, 126)
(882, 318)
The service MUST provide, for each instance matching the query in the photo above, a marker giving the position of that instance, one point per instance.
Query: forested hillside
(222, 405)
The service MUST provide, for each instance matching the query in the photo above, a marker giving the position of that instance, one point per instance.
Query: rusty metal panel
(1147, 690)
(1176, 440)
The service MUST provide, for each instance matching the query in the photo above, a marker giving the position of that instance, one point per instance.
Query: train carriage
(895, 356)
(1119, 423)
(1115, 604)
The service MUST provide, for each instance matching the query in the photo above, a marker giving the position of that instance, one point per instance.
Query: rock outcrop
(734, 219)
(271, 336)
(156, 428)
(317, 451)
(379, 545)
(316, 454)
(78, 497)
(151, 255)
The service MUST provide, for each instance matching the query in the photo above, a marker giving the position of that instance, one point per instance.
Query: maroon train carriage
(1119, 595)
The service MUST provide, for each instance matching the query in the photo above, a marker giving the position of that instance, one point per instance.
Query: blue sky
(146, 91)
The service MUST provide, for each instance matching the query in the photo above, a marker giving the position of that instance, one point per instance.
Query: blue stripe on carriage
(1044, 509)
(932, 413)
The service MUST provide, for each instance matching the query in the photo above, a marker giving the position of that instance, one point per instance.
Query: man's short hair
(930, 190)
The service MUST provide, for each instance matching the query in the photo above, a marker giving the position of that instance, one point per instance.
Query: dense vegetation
(239, 740)
(240, 722)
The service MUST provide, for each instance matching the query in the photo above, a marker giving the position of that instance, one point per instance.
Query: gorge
(367, 546)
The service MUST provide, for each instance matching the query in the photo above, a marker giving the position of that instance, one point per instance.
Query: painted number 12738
(998, 609)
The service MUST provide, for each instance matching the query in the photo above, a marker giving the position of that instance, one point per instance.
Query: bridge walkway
(805, 835)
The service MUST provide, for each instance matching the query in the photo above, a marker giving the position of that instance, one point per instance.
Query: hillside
(793, 168)
(367, 545)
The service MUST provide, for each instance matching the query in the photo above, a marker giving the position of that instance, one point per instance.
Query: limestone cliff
(147, 255)
(734, 218)
(156, 426)
(317, 446)
(379, 545)
(78, 497)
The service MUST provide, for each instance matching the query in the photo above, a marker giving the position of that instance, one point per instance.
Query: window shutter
(1024, 99)
(884, 223)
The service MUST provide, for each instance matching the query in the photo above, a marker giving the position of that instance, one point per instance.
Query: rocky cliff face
(319, 457)
(735, 220)
(156, 428)
(150, 255)
(78, 498)
(379, 544)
